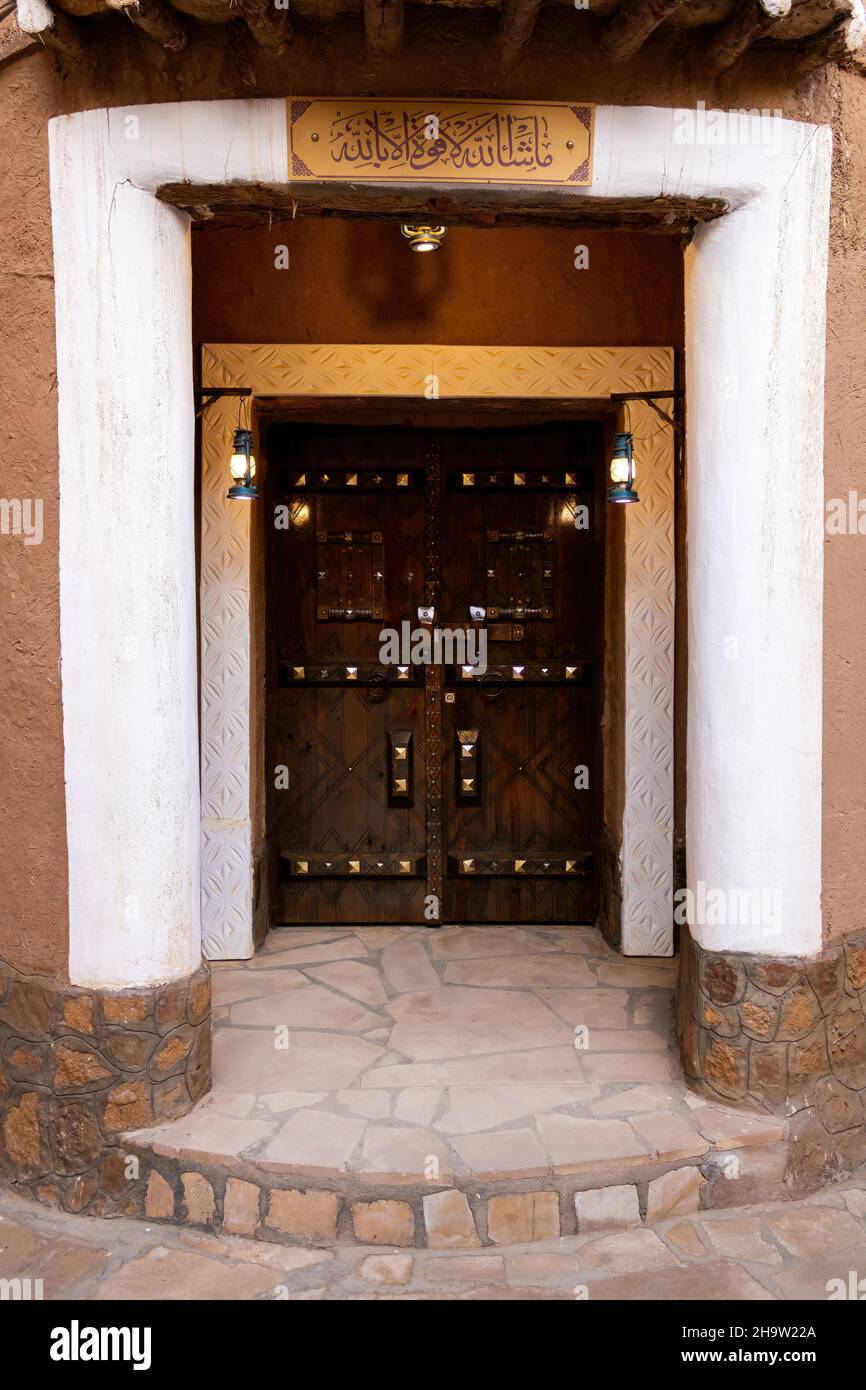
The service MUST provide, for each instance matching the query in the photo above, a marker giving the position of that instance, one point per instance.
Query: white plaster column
(755, 314)
(755, 331)
(127, 567)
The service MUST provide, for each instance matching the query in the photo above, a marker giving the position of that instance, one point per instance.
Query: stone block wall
(786, 1036)
(79, 1067)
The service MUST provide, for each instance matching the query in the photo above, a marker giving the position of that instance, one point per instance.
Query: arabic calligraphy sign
(379, 140)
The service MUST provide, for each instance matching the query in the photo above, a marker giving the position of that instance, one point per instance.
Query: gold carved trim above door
(429, 371)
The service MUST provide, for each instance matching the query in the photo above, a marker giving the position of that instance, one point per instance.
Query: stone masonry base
(787, 1037)
(78, 1067)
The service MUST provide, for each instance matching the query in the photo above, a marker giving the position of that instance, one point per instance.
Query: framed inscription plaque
(488, 142)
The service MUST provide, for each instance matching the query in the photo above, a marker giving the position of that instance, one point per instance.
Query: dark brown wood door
(410, 790)
(521, 828)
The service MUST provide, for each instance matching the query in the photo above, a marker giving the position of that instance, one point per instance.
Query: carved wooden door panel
(407, 791)
(521, 743)
(346, 560)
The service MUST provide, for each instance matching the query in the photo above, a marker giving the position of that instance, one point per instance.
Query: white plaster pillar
(127, 566)
(755, 313)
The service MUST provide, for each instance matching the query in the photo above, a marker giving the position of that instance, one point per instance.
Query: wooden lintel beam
(51, 27)
(251, 203)
(757, 19)
(383, 21)
(516, 26)
(843, 42)
(268, 22)
(631, 24)
(155, 19)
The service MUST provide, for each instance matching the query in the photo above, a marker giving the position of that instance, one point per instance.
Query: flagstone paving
(360, 1073)
(518, 1050)
(779, 1251)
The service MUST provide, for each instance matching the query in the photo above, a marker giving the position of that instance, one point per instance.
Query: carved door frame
(232, 786)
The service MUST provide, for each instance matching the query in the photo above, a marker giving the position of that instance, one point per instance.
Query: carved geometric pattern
(227, 868)
(410, 371)
(226, 890)
(647, 920)
(330, 369)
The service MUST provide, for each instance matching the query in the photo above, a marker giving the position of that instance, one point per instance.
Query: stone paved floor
(497, 1051)
(779, 1251)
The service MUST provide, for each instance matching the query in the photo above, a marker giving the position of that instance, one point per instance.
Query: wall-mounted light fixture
(622, 470)
(242, 467)
(422, 237)
(242, 464)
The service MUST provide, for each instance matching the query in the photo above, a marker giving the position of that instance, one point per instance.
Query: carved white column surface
(648, 819)
(227, 871)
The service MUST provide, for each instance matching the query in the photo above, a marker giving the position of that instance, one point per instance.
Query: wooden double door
(435, 618)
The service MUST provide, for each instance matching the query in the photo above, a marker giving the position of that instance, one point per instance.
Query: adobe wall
(120, 68)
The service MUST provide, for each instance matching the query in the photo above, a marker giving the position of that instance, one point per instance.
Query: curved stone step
(281, 1203)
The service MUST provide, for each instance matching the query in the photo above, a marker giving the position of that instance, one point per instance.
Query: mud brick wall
(786, 1036)
(79, 1067)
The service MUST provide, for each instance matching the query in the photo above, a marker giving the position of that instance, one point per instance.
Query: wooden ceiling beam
(757, 19)
(516, 26)
(383, 21)
(843, 42)
(270, 27)
(631, 24)
(13, 41)
(51, 27)
(155, 19)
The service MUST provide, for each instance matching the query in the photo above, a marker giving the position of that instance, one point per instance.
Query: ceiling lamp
(422, 237)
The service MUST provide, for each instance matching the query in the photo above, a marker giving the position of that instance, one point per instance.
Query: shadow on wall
(355, 281)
